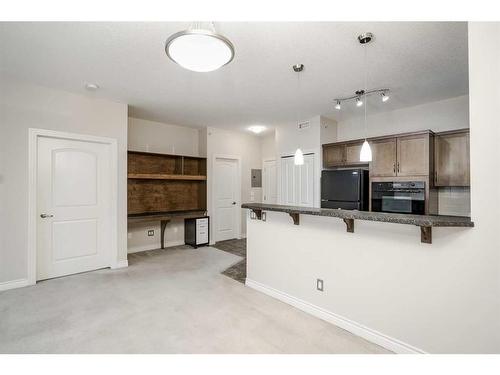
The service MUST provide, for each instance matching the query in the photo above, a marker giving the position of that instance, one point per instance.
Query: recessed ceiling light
(92, 86)
(199, 49)
(257, 129)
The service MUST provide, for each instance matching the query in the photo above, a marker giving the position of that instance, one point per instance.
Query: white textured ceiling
(419, 61)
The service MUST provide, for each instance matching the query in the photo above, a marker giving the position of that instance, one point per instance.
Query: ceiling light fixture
(360, 94)
(365, 154)
(257, 129)
(298, 157)
(200, 48)
(92, 86)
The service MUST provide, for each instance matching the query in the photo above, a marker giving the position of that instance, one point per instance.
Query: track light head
(337, 106)
(359, 102)
(384, 97)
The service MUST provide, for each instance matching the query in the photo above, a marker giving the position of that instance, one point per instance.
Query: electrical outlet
(319, 285)
(151, 232)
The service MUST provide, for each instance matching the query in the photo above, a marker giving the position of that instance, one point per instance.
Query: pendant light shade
(298, 158)
(199, 49)
(366, 152)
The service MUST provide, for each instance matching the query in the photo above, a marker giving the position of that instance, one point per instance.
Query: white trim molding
(355, 328)
(33, 135)
(120, 264)
(6, 285)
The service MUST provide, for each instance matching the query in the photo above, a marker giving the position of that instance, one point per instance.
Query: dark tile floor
(237, 271)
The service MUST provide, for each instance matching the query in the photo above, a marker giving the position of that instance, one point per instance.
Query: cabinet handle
(394, 167)
(398, 166)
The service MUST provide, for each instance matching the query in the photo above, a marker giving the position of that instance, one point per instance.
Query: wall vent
(304, 125)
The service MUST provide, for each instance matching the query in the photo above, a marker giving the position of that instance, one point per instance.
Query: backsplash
(454, 201)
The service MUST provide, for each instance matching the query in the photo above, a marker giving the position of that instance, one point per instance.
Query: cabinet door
(383, 162)
(352, 152)
(452, 160)
(333, 155)
(413, 155)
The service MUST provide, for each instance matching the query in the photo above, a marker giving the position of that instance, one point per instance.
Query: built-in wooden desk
(164, 218)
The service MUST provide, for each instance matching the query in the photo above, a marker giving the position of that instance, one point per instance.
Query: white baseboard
(138, 249)
(358, 329)
(6, 285)
(120, 264)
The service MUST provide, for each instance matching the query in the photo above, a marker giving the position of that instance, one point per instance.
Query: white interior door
(269, 183)
(73, 207)
(297, 181)
(226, 188)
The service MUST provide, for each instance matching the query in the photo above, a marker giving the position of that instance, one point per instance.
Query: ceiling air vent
(304, 125)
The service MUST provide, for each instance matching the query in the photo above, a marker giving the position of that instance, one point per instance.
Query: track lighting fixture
(360, 96)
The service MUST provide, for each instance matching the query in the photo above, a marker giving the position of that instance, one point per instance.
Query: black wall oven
(406, 197)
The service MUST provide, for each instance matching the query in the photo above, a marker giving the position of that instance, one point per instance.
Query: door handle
(233, 203)
(44, 216)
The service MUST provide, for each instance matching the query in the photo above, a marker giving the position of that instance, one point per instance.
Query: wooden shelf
(160, 176)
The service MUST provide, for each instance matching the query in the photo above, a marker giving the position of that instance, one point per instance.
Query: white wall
(268, 147)
(152, 136)
(25, 106)
(246, 146)
(439, 298)
(437, 116)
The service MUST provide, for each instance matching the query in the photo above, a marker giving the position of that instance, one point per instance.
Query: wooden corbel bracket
(350, 225)
(295, 217)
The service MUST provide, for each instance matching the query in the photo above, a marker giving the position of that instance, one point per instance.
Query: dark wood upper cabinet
(383, 162)
(333, 155)
(413, 156)
(342, 154)
(352, 151)
(452, 158)
(442, 157)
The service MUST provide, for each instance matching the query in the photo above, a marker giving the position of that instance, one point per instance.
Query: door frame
(237, 158)
(34, 134)
(263, 186)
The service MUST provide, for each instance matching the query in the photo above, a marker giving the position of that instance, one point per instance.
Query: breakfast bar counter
(425, 222)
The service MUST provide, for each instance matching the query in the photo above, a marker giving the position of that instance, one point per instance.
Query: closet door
(288, 181)
(305, 182)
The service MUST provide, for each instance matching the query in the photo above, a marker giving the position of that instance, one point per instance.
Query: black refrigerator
(345, 188)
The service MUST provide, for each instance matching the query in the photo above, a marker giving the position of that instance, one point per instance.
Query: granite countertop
(419, 220)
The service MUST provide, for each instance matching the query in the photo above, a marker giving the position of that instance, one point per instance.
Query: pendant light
(298, 158)
(365, 154)
(199, 48)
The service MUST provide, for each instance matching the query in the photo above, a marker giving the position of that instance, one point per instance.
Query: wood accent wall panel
(165, 183)
(154, 164)
(157, 196)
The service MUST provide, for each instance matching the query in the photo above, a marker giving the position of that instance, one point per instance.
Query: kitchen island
(378, 283)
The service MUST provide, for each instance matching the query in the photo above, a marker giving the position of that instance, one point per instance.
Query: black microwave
(405, 197)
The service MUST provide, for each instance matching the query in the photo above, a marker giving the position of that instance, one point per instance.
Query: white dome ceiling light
(199, 48)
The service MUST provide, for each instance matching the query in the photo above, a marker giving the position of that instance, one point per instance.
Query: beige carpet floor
(167, 301)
